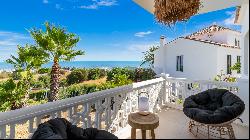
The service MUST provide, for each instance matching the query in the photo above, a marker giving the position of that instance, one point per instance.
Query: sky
(109, 30)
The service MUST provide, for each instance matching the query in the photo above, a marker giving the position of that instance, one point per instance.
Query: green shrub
(93, 74)
(120, 71)
(44, 70)
(11, 95)
(45, 80)
(104, 86)
(34, 102)
(63, 83)
(62, 71)
(103, 73)
(77, 90)
(136, 75)
(16, 75)
(143, 74)
(37, 84)
(121, 79)
(77, 76)
(39, 95)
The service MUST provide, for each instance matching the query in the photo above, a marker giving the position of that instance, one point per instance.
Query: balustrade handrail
(203, 81)
(26, 113)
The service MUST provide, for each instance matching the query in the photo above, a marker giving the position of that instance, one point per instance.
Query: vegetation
(12, 95)
(28, 58)
(30, 84)
(4, 75)
(223, 77)
(149, 56)
(237, 67)
(77, 76)
(44, 70)
(58, 45)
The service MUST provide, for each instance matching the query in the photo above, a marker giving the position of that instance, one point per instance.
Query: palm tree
(149, 56)
(58, 44)
(28, 58)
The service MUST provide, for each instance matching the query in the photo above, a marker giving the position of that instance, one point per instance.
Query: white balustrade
(179, 88)
(108, 109)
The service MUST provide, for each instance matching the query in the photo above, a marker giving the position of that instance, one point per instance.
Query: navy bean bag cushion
(60, 128)
(213, 106)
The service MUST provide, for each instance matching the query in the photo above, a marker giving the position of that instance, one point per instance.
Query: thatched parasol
(168, 12)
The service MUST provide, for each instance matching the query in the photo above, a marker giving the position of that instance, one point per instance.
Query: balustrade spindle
(12, 131)
(31, 125)
(3, 132)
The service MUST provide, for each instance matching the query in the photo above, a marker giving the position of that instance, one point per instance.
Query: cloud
(143, 34)
(230, 20)
(45, 1)
(58, 6)
(9, 41)
(99, 3)
(106, 2)
(141, 47)
(89, 6)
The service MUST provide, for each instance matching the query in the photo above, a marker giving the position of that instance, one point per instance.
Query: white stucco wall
(202, 61)
(225, 37)
(216, 37)
(244, 80)
(199, 62)
(231, 36)
(158, 60)
(222, 59)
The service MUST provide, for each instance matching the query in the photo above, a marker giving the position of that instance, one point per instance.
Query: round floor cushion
(213, 106)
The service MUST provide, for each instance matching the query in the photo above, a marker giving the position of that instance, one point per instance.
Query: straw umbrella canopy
(168, 12)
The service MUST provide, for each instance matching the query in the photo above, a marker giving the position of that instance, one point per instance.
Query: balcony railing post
(164, 86)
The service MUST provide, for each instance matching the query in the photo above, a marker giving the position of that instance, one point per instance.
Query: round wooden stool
(138, 121)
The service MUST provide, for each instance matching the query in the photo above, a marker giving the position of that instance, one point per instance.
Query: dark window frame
(238, 61)
(179, 63)
(229, 64)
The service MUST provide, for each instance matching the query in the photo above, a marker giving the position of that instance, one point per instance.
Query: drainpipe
(162, 46)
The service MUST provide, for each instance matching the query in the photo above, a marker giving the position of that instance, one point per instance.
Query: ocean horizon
(84, 64)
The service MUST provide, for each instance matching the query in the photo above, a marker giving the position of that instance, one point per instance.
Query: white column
(244, 80)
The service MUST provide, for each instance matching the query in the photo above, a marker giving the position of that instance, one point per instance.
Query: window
(238, 61)
(229, 64)
(179, 63)
(235, 42)
(238, 43)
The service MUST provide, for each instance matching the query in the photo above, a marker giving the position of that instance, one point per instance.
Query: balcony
(109, 109)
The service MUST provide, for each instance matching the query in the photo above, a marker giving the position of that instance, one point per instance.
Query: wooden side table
(138, 121)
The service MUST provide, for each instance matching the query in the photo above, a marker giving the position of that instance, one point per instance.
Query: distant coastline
(84, 64)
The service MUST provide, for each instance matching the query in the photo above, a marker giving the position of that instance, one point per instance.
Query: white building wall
(200, 59)
(225, 37)
(158, 60)
(216, 37)
(231, 36)
(244, 80)
(222, 59)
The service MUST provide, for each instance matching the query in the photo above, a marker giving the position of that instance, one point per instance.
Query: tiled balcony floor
(174, 125)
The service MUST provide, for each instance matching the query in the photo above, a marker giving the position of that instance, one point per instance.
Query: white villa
(165, 93)
(201, 55)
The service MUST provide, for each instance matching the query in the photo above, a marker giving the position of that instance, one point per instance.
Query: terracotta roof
(237, 14)
(212, 42)
(212, 28)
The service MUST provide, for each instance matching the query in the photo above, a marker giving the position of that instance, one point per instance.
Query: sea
(84, 64)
